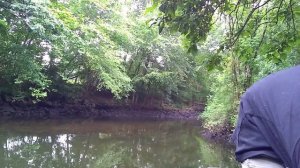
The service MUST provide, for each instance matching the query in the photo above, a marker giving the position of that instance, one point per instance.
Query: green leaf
(3, 27)
(151, 8)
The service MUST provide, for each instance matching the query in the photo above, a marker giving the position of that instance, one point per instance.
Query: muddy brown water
(109, 144)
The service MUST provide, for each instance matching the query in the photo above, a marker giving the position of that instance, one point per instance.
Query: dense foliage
(245, 40)
(78, 46)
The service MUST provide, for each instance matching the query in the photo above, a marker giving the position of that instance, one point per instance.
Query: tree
(42, 43)
(194, 19)
(260, 37)
(65, 48)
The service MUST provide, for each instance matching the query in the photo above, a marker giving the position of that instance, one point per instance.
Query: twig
(237, 35)
(293, 19)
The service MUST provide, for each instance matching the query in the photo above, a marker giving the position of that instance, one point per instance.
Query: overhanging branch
(5, 5)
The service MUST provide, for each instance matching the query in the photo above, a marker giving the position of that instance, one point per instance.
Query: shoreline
(73, 110)
(55, 110)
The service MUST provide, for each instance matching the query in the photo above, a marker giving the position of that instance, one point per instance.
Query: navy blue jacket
(269, 119)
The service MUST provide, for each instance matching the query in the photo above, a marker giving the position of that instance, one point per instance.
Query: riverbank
(221, 134)
(89, 110)
(85, 109)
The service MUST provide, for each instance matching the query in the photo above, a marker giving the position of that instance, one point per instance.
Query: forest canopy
(61, 47)
(238, 41)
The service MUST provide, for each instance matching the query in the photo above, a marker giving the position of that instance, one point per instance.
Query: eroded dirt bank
(83, 109)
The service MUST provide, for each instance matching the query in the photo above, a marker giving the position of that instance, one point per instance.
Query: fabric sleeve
(248, 139)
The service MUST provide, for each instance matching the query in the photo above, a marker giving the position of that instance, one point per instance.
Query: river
(109, 144)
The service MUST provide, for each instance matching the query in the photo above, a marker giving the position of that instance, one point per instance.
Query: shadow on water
(109, 144)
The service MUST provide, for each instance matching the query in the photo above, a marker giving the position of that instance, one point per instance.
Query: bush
(221, 105)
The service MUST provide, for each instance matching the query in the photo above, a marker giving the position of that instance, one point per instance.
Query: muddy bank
(82, 109)
(221, 134)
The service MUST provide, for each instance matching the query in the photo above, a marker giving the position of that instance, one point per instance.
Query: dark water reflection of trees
(108, 145)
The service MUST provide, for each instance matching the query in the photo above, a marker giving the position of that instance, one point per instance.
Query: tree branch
(261, 41)
(237, 35)
(277, 14)
(293, 19)
(5, 5)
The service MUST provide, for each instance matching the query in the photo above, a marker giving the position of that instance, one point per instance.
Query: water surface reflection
(109, 144)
